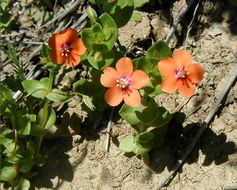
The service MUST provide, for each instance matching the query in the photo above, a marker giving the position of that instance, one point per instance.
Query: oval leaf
(24, 184)
(159, 50)
(127, 144)
(57, 95)
(129, 115)
(51, 118)
(38, 89)
(8, 173)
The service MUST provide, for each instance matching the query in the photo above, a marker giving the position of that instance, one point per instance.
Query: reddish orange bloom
(180, 74)
(123, 83)
(66, 47)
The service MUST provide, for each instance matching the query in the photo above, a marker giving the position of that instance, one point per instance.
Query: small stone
(215, 32)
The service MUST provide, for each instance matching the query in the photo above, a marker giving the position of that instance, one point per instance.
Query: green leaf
(127, 144)
(141, 150)
(88, 102)
(91, 13)
(129, 115)
(153, 88)
(39, 160)
(57, 95)
(159, 50)
(46, 59)
(31, 146)
(107, 21)
(16, 158)
(162, 118)
(27, 162)
(145, 139)
(5, 141)
(99, 102)
(23, 121)
(140, 3)
(24, 184)
(120, 10)
(147, 64)
(45, 51)
(5, 20)
(38, 89)
(136, 16)
(123, 13)
(147, 113)
(13, 84)
(100, 60)
(5, 93)
(233, 2)
(7, 103)
(8, 173)
(36, 130)
(17, 65)
(149, 140)
(145, 158)
(26, 165)
(101, 36)
(4, 4)
(152, 115)
(50, 120)
(10, 149)
(84, 87)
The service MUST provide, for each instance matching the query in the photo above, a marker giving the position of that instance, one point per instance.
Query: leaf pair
(99, 40)
(40, 89)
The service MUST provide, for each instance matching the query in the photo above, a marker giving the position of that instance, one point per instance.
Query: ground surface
(78, 161)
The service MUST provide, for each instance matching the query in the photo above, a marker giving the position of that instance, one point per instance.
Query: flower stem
(13, 121)
(45, 110)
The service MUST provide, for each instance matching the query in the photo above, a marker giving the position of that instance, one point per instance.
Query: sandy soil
(78, 161)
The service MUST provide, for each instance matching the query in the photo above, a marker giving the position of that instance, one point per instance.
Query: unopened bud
(91, 13)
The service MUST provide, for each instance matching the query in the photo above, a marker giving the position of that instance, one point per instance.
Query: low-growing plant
(5, 16)
(115, 80)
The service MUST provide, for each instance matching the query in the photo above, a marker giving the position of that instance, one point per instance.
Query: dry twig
(109, 126)
(20, 42)
(231, 186)
(190, 24)
(177, 20)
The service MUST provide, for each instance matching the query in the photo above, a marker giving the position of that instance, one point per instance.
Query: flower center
(124, 82)
(65, 50)
(180, 73)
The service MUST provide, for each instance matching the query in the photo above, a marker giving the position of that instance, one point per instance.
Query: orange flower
(123, 83)
(180, 74)
(66, 47)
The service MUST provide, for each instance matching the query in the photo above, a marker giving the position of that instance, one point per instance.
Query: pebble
(215, 32)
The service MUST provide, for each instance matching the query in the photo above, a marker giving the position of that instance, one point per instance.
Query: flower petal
(195, 73)
(108, 79)
(113, 96)
(139, 79)
(57, 57)
(133, 98)
(124, 66)
(186, 87)
(72, 60)
(56, 40)
(78, 47)
(183, 58)
(169, 84)
(67, 36)
(167, 67)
